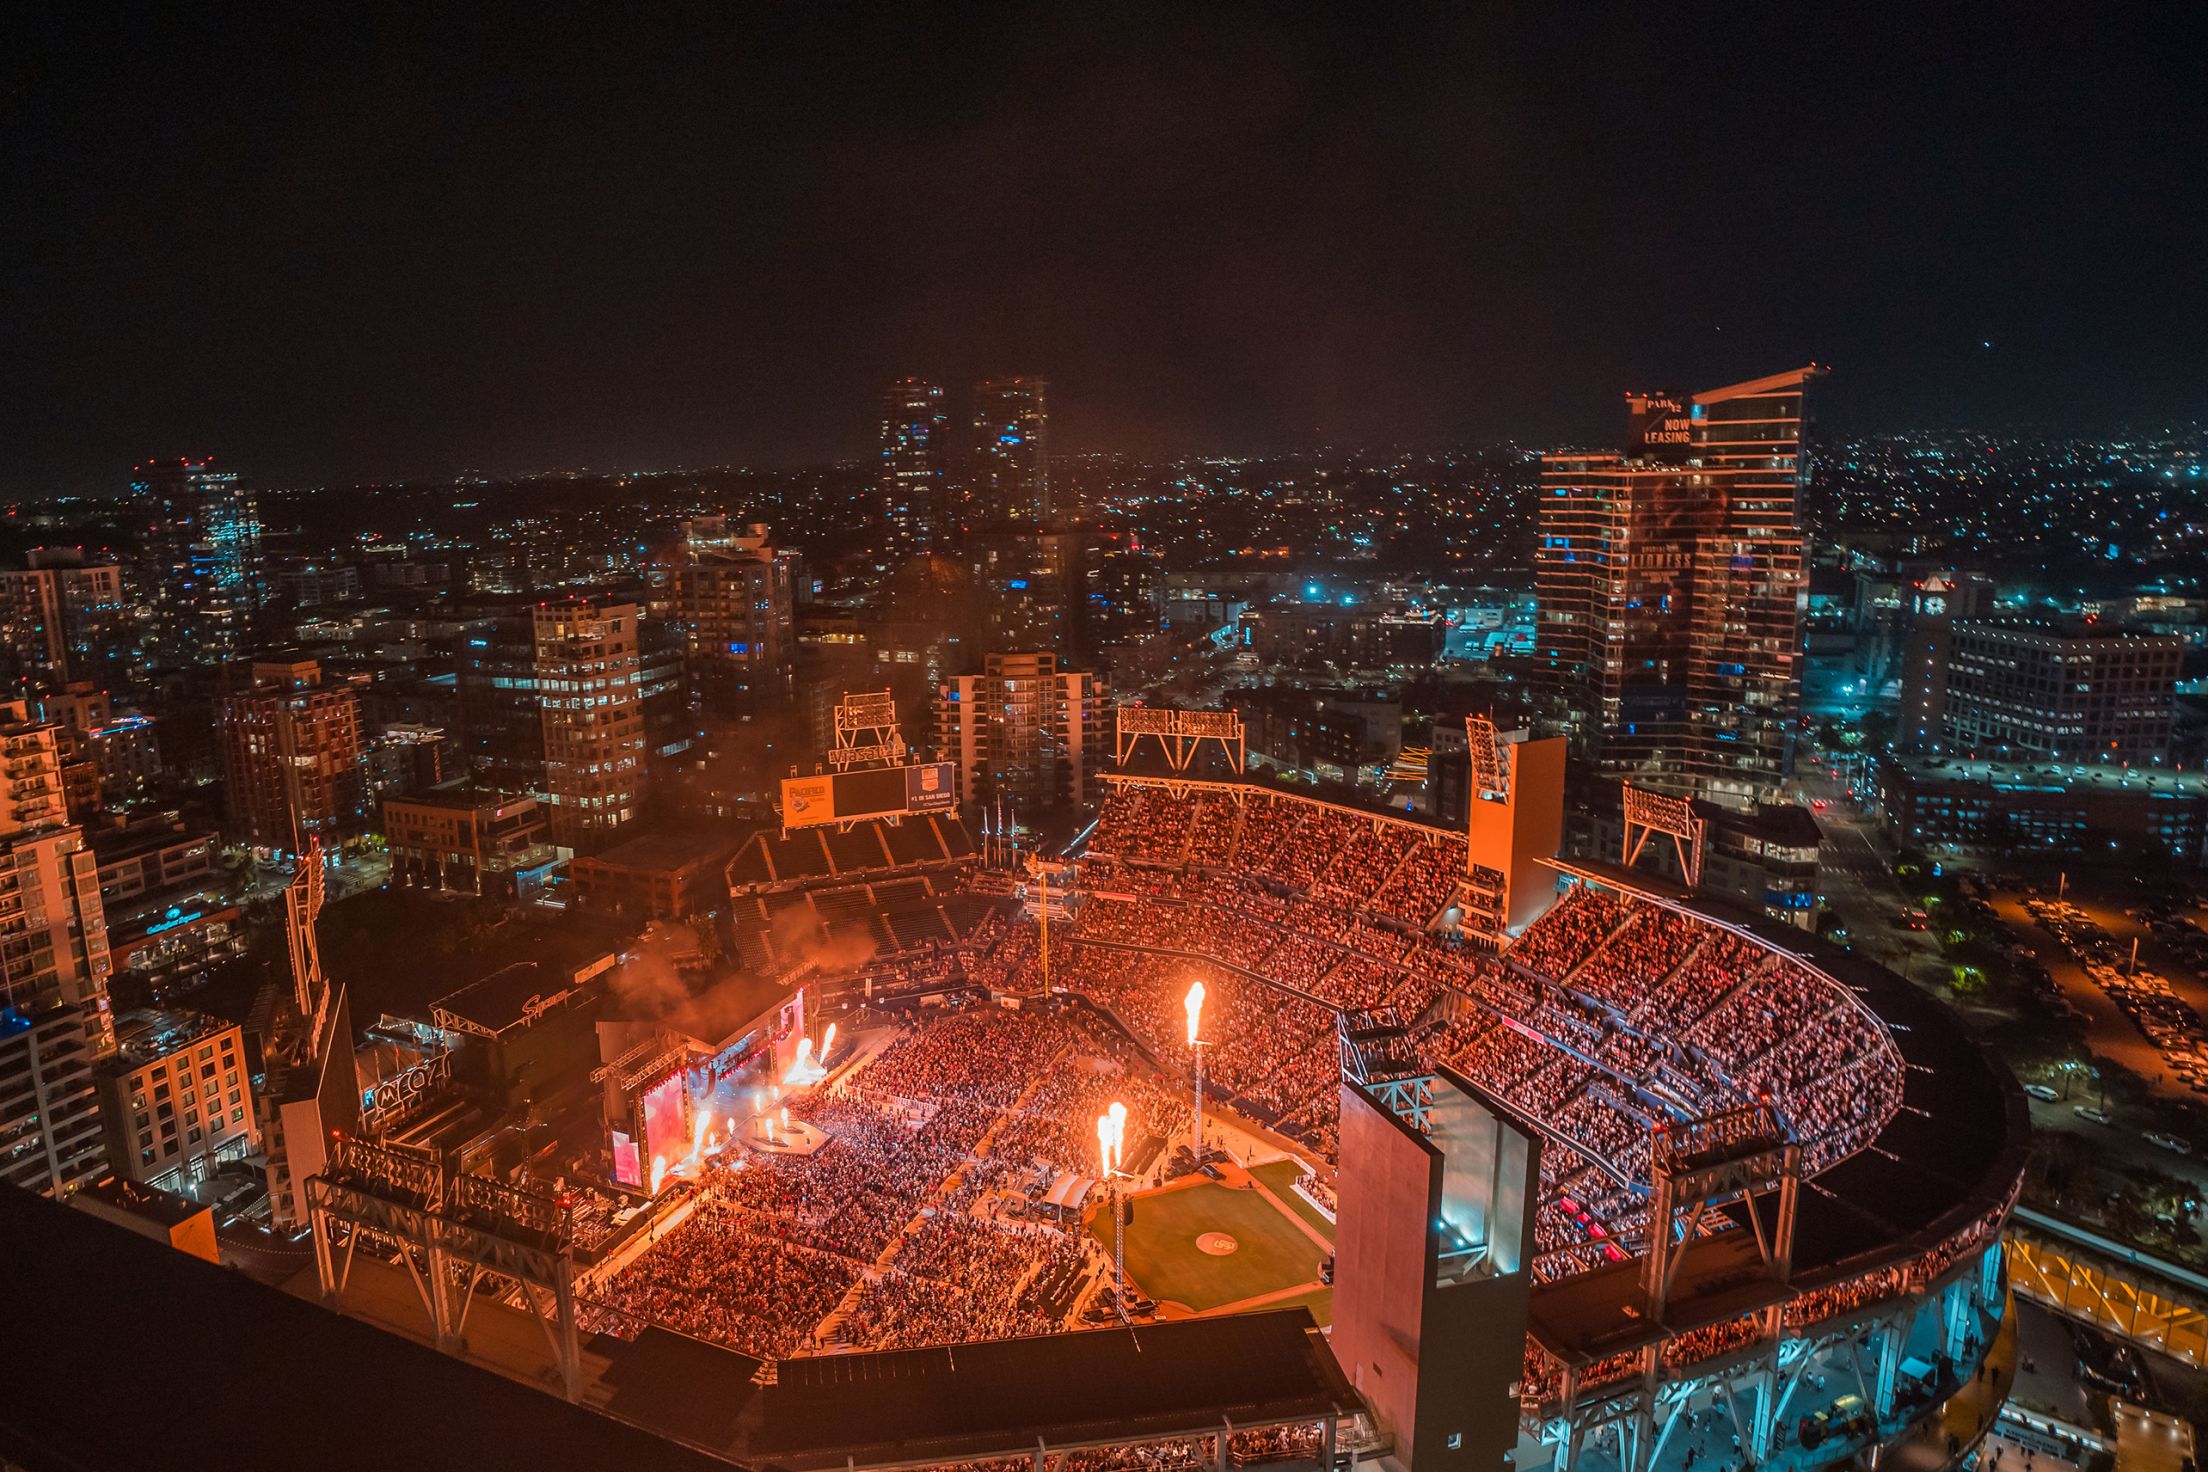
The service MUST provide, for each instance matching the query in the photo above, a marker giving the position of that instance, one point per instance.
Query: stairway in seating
(1725, 999)
(1633, 918)
(1231, 857)
(1389, 878)
(1188, 839)
(1694, 953)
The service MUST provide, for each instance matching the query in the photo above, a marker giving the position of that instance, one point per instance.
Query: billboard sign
(808, 800)
(1662, 426)
(930, 788)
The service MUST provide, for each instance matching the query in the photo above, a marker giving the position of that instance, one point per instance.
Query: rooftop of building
(2064, 631)
(150, 1034)
(672, 848)
(115, 842)
(461, 796)
(154, 1205)
(1789, 824)
(2045, 775)
(508, 996)
(449, 940)
(275, 1368)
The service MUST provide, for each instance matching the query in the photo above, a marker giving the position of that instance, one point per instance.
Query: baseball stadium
(1250, 1128)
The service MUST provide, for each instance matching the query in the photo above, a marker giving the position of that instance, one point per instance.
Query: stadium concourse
(937, 1214)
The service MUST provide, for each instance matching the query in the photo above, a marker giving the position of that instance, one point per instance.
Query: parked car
(2041, 1091)
(2169, 1142)
(2096, 1115)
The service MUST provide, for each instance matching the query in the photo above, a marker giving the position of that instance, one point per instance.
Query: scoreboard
(875, 792)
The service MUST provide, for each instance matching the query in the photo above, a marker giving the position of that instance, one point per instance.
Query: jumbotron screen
(876, 792)
(666, 1133)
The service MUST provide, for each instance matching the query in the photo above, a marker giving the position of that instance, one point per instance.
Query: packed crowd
(955, 1279)
(906, 1216)
(1608, 1018)
(722, 1276)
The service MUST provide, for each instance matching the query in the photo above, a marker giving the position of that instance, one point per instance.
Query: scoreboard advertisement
(876, 792)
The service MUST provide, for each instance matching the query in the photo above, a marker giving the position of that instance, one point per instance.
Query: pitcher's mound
(1218, 1244)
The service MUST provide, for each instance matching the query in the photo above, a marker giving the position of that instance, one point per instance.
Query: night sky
(387, 248)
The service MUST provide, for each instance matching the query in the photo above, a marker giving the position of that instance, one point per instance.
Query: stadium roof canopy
(278, 1383)
(1181, 1378)
(295, 1385)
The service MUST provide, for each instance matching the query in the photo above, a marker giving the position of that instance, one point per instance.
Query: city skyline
(1446, 235)
(1060, 740)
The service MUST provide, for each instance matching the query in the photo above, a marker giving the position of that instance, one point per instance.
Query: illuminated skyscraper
(200, 544)
(592, 714)
(552, 704)
(1670, 585)
(1011, 471)
(294, 765)
(732, 604)
(1025, 732)
(54, 964)
(912, 467)
(62, 620)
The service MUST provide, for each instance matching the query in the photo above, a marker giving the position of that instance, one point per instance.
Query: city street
(1860, 887)
(1859, 884)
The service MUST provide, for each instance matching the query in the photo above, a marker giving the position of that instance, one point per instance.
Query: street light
(1194, 1002)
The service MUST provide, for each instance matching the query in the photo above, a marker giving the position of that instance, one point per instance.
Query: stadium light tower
(1194, 1002)
(1111, 1144)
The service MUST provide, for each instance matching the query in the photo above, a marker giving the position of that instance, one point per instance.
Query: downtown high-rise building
(62, 619)
(551, 704)
(1025, 735)
(2015, 691)
(294, 764)
(591, 707)
(55, 1021)
(1009, 480)
(734, 600)
(200, 559)
(1670, 585)
(914, 506)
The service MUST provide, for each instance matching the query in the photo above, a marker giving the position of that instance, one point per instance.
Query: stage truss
(1652, 812)
(1180, 734)
(457, 1236)
(646, 1063)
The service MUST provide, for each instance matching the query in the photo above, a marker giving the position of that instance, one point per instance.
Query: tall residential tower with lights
(1011, 471)
(912, 468)
(1670, 586)
(200, 546)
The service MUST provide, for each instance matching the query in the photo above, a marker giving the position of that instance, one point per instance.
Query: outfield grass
(1280, 1177)
(1165, 1262)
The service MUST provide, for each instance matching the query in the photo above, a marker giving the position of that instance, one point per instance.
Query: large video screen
(628, 1170)
(876, 792)
(666, 1132)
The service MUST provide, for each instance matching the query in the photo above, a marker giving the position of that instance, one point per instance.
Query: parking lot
(2147, 998)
